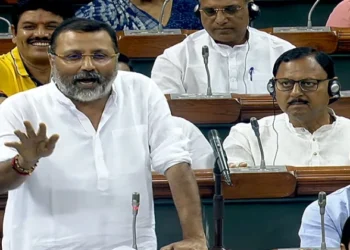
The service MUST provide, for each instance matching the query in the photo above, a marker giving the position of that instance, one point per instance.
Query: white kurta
(242, 69)
(327, 146)
(201, 152)
(80, 196)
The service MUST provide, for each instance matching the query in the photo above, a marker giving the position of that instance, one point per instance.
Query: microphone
(135, 209)
(220, 155)
(161, 17)
(322, 204)
(205, 54)
(308, 28)
(255, 127)
(309, 22)
(8, 27)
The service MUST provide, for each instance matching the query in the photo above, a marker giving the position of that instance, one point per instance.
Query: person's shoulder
(191, 40)
(132, 82)
(273, 41)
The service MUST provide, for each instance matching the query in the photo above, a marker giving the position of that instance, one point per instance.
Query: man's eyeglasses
(285, 84)
(76, 58)
(229, 10)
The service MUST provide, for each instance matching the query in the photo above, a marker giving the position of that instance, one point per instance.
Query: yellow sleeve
(7, 77)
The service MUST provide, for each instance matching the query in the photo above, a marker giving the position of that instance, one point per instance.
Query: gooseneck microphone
(135, 209)
(161, 17)
(255, 127)
(309, 22)
(220, 155)
(205, 54)
(322, 204)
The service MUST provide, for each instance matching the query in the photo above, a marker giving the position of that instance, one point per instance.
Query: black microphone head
(254, 123)
(205, 50)
(322, 199)
(136, 199)
(213, 133)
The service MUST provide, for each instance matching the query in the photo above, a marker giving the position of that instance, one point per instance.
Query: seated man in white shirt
(308, 132)
(199, 148)
(99, 132)
(240, 58)
(337, 213)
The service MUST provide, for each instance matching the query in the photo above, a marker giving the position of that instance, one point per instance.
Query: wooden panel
(5, 45)
(206, 111)
(148, 46)
(311, 180)
(324, 41)
(337, 41)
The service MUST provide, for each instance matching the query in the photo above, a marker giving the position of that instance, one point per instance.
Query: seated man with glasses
(240, 57)
(308, 132)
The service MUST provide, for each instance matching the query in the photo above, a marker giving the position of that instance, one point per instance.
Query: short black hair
(62, 8)
(83, 25)
(124, 59)
(345, 237)
(324, 60)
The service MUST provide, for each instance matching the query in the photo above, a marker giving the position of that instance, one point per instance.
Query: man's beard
(69, 86)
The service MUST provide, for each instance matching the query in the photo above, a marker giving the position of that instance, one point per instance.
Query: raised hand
(33, 146)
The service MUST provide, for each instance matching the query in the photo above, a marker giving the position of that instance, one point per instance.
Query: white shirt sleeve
(200, 150)
(310, 230)
(167, 73)
(9, 122)
(237, 148)
(168, 145)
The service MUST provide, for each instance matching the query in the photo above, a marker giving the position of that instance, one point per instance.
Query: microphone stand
(218, 207)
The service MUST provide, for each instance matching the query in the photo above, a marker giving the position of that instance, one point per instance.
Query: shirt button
(315, 153)
(314, 139)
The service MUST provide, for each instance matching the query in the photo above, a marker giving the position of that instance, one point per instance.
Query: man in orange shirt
(27, 65)
(340, 17)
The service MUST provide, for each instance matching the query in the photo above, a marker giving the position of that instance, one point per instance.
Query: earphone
(334, 88)
(253, 10)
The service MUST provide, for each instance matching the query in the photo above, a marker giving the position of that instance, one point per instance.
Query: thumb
(51, 143)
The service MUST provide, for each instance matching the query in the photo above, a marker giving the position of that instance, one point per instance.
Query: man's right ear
(342, 247)
(14, 34)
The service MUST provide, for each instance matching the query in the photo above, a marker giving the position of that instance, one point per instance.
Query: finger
(14, 145)
(231, 165)
(51, 143)
(29, 129)
(42, 131)
(22, 136)
(243, 165)
(168, 247)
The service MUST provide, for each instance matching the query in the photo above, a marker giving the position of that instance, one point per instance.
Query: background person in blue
(142, 14)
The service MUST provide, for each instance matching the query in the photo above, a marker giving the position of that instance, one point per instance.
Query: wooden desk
(259, 222)
(239, 108)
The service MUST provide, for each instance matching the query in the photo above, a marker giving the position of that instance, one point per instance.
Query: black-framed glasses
(285, 84)
(229, 10)
(77, 58)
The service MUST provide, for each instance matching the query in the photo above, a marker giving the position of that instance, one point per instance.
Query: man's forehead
(39, 15)
(302, 66)
(221, 3)
(97, 40)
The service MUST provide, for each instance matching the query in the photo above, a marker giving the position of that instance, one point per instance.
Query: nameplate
(199, 96)
(153, 32)
(256, 169)
(5, 36)
(301, 29)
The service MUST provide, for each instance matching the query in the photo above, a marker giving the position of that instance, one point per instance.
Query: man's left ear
(342, 247)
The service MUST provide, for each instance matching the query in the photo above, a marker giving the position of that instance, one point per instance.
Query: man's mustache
(38, 40)
(87, 76)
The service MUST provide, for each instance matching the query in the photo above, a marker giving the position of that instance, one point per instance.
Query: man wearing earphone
(308, 132)
(240, 57)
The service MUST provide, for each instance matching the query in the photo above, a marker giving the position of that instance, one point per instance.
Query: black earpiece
(334, 88)
(271, 88)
